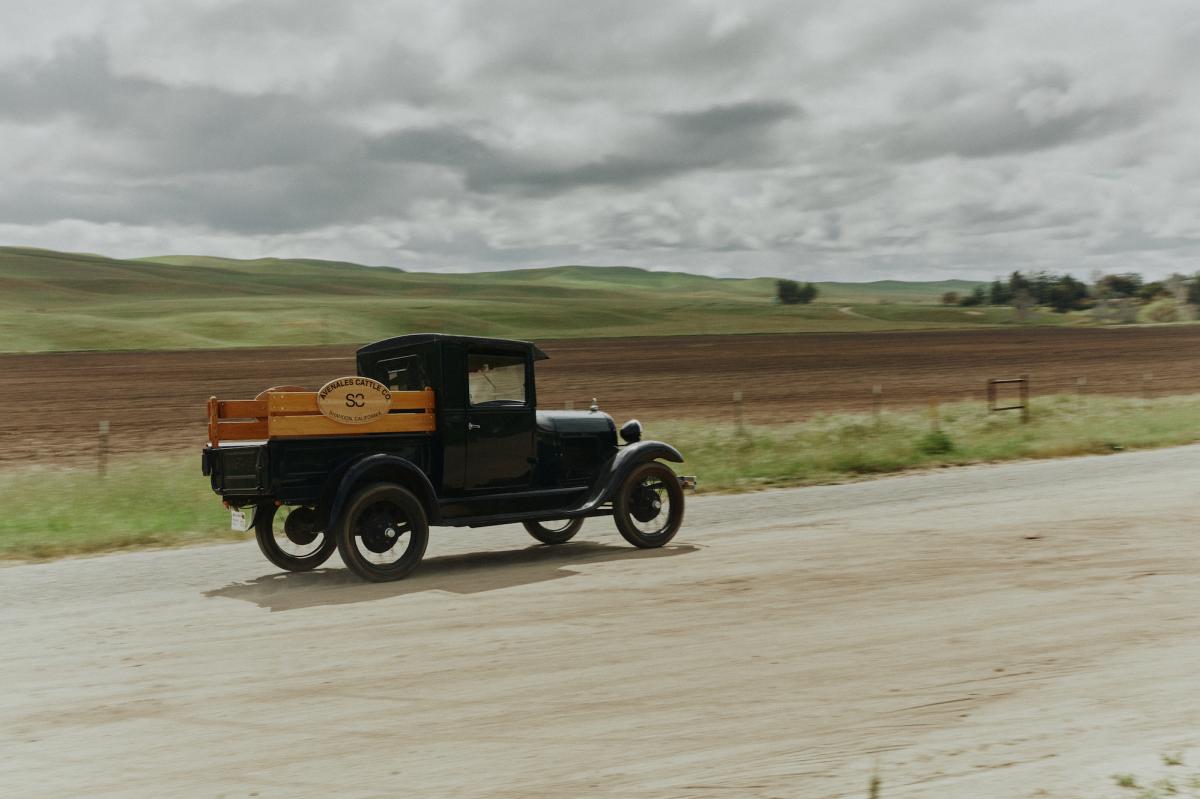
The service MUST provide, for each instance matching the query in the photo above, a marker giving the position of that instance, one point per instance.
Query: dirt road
(983, 632)
(155, 400)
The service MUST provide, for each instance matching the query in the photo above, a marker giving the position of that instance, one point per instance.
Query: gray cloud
(171, 129)
(909, 139)
(1038, 112)
(672, 144)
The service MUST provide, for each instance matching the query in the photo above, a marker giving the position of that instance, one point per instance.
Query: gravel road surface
(1002, 631)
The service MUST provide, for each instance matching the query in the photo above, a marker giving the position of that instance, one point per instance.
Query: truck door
(500, 421)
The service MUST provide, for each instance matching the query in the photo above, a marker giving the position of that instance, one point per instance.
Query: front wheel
(648, 507)
(558, 532)
(289, 537)
(383, 533)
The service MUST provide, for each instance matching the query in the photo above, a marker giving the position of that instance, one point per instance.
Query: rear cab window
(404, 373)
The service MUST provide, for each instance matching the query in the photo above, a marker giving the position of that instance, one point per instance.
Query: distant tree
(999, 294)
(787, 291)
(1123, 285)
(1152, 291)
(1018, 283)
(950, 298)
(977, 297)
(1041, 285)
(1193, 290)
(1022, 301)
(1067, 294)
(1177, 287)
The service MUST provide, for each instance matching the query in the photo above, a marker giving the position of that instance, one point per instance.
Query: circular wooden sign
(354, 400)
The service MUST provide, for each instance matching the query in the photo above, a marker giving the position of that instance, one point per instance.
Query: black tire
(291, 540)
(378, 518)
(635, 504)
(554, 532)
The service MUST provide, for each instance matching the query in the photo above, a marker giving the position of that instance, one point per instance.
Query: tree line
(1064, 293)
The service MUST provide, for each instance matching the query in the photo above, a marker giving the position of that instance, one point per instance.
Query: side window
(496, 379)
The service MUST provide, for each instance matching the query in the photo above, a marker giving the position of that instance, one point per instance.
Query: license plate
(238, 520)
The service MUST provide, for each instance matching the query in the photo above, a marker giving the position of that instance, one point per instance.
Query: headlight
(631, 431)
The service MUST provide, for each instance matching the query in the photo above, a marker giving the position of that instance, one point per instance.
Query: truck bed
(294, 470)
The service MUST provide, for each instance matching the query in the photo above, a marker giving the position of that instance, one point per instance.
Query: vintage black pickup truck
(433, 430)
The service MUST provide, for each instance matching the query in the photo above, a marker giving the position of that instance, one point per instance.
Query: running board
(516, 518)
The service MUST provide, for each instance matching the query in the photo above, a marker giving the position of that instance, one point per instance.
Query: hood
(576, 422)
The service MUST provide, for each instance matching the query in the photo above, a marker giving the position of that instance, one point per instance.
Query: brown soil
(155, 400)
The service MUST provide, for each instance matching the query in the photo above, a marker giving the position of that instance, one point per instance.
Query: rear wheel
(383, 533)
(648, 507)
(290, 538)
(556, 532)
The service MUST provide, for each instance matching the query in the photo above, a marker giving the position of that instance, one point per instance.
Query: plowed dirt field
(155, 400)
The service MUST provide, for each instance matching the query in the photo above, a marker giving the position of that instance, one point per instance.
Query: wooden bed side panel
(241, 409)
(250, 430)
(298, 426)
(292, 402)
(293, 414)
(414, 400)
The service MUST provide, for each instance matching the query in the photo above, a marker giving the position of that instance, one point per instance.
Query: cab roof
(400, 342)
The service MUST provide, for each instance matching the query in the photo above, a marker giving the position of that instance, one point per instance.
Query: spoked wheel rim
(554, 531)
(383, 534)
(290, 537)
(295, 533)
(648, 509)
(651, 506)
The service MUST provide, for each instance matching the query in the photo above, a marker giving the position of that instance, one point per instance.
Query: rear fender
(370, 469)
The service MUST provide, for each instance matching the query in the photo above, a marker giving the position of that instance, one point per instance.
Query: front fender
(620, 466)
(390, 468)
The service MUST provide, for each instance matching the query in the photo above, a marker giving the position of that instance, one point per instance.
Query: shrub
(976, 297)
(1163, 311)
(935, 442)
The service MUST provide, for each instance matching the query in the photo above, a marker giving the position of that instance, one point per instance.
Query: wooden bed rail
(293, 414)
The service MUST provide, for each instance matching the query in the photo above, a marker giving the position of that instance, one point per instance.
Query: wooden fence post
(102, 450)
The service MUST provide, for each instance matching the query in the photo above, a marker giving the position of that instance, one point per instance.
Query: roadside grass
(143, 502)
(163, 500)
(831, 447)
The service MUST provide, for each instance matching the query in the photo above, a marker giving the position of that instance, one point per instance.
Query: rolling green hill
(65, 301)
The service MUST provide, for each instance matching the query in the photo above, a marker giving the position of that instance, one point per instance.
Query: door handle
(472, 426)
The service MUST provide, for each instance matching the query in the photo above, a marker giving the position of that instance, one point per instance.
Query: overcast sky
(831, 140)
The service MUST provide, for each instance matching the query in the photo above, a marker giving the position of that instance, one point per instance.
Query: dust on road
(984, 632)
